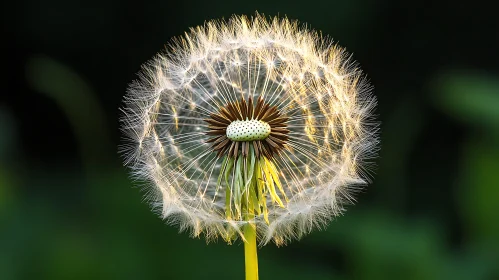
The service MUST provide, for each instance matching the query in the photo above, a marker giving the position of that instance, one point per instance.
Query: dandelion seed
(250, 128)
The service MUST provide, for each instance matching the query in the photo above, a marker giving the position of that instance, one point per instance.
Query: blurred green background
(69, 211)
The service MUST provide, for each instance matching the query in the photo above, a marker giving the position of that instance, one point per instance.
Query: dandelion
(254, 128)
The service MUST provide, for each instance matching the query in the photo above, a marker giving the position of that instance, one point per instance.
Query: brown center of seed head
(243, 110)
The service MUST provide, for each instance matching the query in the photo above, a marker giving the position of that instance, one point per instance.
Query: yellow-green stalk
(250, 253)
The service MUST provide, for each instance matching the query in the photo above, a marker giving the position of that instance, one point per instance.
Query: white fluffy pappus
(314, 83)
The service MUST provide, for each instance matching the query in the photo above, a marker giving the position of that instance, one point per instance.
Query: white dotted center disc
(249, 130)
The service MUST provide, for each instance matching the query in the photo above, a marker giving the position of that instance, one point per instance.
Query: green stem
(250, 254)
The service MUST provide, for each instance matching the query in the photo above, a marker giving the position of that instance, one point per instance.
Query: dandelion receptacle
(252, 128)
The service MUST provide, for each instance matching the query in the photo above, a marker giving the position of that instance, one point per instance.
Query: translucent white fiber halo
(332, 138)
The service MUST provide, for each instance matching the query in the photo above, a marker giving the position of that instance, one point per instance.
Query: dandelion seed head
(315, 131)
